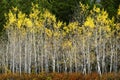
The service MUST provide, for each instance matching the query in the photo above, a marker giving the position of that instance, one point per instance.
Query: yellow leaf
(19, 23)
(119, 11)
(89, 22)
(28, 22)
(12, 17)
(96, 9)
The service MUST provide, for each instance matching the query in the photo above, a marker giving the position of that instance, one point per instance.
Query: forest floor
(60, 76)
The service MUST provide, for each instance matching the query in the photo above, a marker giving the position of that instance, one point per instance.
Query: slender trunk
(20, 57)
(97, 54)
(34, 52)
(38, 53)
(103, 58)
(75, 56)
(26, 51)
(53, 56)
(45, 53)
(88, 58)
(58, 66)
(65, 66)
(13, 53)
(111, 57)
(70, 61)
(116, 56)
(6, 54)
(41, 58)
(30, 52)
(84, 56)
(53, 63)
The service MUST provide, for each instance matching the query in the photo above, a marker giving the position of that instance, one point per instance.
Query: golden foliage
(28, 22)
(12, 17)
(96, 9)
(35, 12)
(48, 32)
(20, 19)
(45, 22)
(58, 25)
(118, 11)
(84, 7)
(89, 22)
(47, 15)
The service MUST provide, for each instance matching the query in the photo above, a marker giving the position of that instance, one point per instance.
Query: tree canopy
(63, 9)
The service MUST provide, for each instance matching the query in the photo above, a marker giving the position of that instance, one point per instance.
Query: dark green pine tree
(63, 9)
(111, 6)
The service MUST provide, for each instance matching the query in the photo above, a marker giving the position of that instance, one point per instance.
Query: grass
(60, 76)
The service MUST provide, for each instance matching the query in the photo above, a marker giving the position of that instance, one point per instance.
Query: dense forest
(60, 36)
